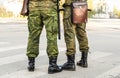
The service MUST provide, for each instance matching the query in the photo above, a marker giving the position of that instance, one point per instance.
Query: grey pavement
(103, 59)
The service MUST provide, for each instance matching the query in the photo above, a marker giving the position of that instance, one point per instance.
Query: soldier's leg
(34, 27)
(52, 47)
(83, 44)
(69, 35)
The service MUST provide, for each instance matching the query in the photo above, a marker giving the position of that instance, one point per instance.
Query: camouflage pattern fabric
(72, 30)
(42, 13)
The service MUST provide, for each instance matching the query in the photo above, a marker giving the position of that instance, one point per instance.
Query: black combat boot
(31, 64)
(83, 61)
(53, 67)
(70, 64)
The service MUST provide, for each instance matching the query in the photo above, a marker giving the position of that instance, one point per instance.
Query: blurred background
(100, 8)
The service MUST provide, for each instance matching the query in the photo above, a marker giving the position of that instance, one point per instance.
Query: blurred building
(106, 8)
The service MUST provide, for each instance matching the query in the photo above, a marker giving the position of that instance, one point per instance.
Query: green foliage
(91, 13)
(116, 11)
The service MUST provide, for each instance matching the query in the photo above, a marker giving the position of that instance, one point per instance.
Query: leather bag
(79, 12)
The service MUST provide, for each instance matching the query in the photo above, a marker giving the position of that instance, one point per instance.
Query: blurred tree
(90, 4)
(4, 13)
(116, 11)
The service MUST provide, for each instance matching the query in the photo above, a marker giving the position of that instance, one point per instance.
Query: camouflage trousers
(73, 31)
(40, 16)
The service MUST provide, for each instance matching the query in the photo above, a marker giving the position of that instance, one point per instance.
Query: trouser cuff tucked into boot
(53, 67)
(83, 61)
(70, 64)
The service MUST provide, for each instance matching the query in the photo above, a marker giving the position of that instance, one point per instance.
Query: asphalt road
(103, 59)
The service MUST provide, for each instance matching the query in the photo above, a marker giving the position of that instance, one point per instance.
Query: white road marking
(113, 73)
(38, 72)
(24, 74)
(12, 48)
(2, 43)
(20, 57)
(15, 58)
(12, 59)
(98, 54)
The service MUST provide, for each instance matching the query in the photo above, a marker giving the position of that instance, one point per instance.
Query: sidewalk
(91, 22)
(13, 20)
(104, 22)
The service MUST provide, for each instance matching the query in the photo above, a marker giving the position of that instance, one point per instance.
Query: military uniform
(43, 13)
(70, 30)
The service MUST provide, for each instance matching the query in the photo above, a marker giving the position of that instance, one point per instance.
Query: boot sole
(70, 69)
(51, 72)
(31, 69)
(82, 66)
